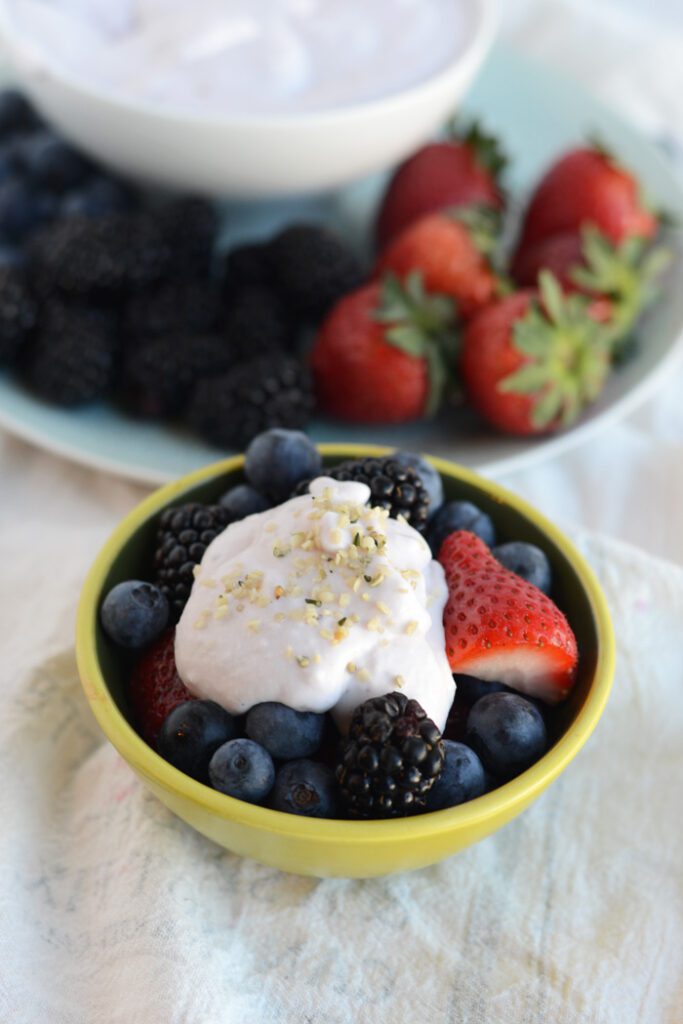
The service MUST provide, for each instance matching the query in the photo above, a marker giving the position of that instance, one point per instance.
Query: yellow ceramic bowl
(344, 848)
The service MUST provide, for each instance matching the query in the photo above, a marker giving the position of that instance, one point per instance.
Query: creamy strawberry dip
(241, 56)
(320, 604)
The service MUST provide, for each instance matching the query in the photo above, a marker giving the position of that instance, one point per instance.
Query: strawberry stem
(483, 223)
(627, 274)
(567, 355)
(487, 148)
(423, 326)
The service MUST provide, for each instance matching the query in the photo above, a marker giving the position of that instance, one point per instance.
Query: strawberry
(383, 352)
(155, 687)
(587, 186)
(621, 279)
(450, 256)
(560, 254)
(458, 172)
(530, 363)
(500, 628)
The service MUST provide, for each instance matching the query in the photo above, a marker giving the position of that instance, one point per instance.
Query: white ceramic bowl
(245, 156)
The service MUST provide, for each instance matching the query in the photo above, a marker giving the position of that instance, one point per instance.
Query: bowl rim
(516, 793)
(464, 61)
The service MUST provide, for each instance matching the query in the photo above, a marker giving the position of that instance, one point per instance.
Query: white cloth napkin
(114, 911)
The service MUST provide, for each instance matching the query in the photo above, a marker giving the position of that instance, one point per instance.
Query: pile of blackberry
(109, 293)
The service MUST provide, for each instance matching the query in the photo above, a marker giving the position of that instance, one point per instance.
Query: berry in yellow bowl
(343, 661)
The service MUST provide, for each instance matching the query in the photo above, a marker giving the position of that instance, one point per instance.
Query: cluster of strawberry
(530, 347)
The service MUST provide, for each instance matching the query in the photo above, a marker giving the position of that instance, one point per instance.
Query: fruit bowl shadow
(353, 849)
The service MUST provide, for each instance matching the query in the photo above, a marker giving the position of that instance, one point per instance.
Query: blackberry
(393, 486)
(7, 171)
(391, 759)
(112, 253)
(17, 313)
(256, 322)
(159, 372)
(190, 306)
(147, 256)
(72, 359)
(269, 391)
(98, 197)
(23, 212)
(246, 265)
(312, 269)
(189, 226)
(50, 163)
(16, 113)
(183, 535)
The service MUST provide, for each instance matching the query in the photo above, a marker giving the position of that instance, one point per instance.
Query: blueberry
(51, 163)
(22, 210)
(462, 778)
(507, 732)
(527, 561)
(284, 732)
(243, 500)
(277, 460)
(192, 733)
(134, 613)
(97, 198)
(471, 689)
(307, 788)
(243, 769)
(431, 478)
(459, 515)
(16, 113)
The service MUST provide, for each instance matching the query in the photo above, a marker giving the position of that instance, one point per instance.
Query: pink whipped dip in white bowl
(246, 100)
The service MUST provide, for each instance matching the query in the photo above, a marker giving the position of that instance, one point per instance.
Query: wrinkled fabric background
(112, 911)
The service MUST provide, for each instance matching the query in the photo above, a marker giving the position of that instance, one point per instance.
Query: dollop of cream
(320, 604)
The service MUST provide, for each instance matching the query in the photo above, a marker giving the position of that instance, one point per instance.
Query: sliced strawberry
(462, 171)
(155, 687)
(449, 253)
(500, 628)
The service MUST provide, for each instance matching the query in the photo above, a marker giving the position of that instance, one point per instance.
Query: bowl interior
(134, 559)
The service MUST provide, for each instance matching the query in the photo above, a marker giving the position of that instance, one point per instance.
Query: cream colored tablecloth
(112, 910)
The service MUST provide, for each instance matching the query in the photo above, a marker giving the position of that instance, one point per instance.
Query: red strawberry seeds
(500, 628)
(155, 687)
(460, 172)
(383, 353)
(446, 254)
(587, 186)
